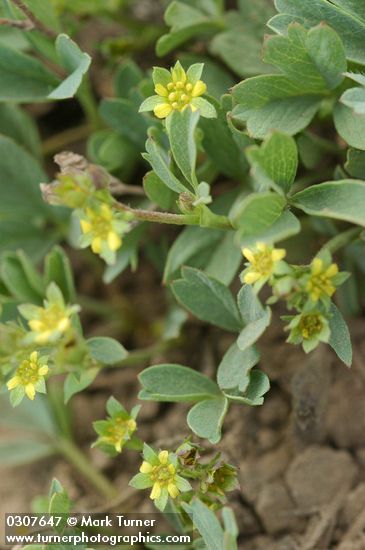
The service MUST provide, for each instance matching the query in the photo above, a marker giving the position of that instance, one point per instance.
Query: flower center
(101, 228)
(179, 94)
(121, 427)
(310, 325)
(52, 317)
(163, 474)
(263, 263)
(28, 372)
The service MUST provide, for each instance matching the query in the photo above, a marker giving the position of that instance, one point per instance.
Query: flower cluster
(306, 289)
(176, 90)
(28, 378)
(161, 472)
(52, 321)
(117, 430)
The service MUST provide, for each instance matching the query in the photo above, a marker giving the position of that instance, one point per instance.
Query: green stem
(342, 239)
(215, 221)
(58, 142)
(87, 100)
(82, 463)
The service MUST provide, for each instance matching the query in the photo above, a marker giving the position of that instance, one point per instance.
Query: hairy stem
(216, 222)
(342, 239)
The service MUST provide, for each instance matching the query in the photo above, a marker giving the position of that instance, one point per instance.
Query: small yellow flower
(100, 225)
(263, 260)
(176, 90)
(29, 377)
(162, 475)
(118, 432)
(48, 323)
(160, 471)
(320, 282)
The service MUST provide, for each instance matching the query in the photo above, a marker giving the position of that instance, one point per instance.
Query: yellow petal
(332, 270)
(192, 107)
(163, 457)
(43, 370)
(146, 467)
(13, 383)
(317, 266)
(118, 446)
(156, 491)
(43, 337)
(35, 325)
(248, 254)
(278, 254)
(251, 277)
(63, 324)
(199, 89)
(96, 245)
(262, 247)
(34, 356)
(173, 490)
(161, 90)
(85, 226)
(30, 391)
(114, 241)
(171, 468)
(163, 110)
(106, 212)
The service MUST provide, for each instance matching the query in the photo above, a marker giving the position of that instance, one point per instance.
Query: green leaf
(19, 125)
(157, 191)
(114, 152)
(234, 369)
(340, 340)
(75, 62)
(185, 22)
(157, 158)
(23, 78)
(221, 146)
(21, 278)
(341, 200)
(57, 268)
(24, 451)
(245, 32)
(355, 164)
(273, 102)
(181, 131)
(350, 126)
(206, 522)
(257, 212)
(276, 160)
(258, 386)
(213, 250)
(355, 99)
(76, 382)
(314, 59)
(254, 315)
(106, 350)
(205, 419)
(346, 20)
(208, 299)
(176, 383)
(123, 116)
(286, 225)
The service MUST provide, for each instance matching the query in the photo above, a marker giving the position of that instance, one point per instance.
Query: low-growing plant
(256, 153)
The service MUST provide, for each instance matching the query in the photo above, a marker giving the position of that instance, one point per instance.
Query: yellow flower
(48, 323)
(176, 90)
(29, 377)
(101, 229)
(320, 282)
(263, 260)
(163, 475)
(118, 432)
(100, 225)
